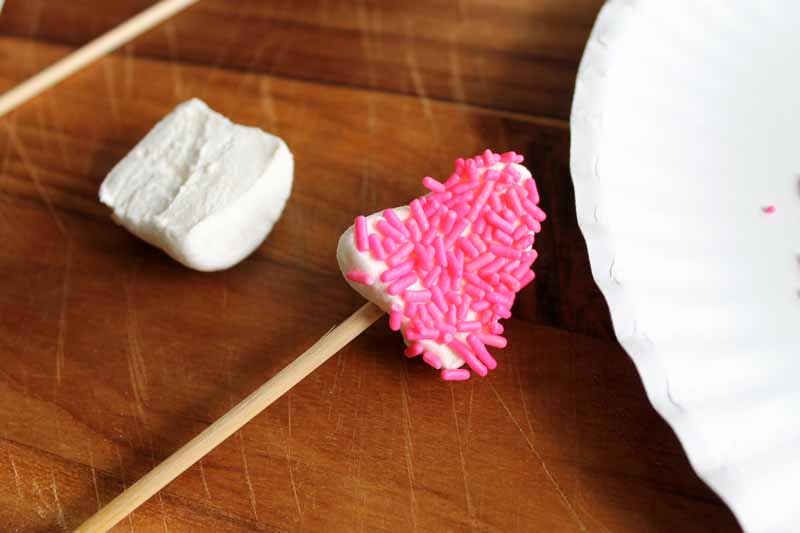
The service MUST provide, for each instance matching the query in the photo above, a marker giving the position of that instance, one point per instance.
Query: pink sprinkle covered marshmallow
(448, 266)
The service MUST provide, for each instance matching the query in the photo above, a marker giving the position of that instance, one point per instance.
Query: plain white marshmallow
(201, 188)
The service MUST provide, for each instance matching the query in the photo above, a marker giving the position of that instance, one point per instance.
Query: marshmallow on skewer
(447, 267)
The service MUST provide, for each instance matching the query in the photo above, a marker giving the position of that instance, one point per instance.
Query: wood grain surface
(112, 355)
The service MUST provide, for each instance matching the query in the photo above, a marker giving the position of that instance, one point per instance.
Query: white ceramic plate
(685, 124)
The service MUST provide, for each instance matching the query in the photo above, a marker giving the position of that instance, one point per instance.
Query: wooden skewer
(232, 421)
(106, 43)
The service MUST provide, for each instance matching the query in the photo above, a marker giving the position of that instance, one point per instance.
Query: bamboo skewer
(106, 43)
(232, 421)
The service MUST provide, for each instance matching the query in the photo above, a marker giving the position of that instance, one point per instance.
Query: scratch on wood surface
(249, 483)
(203, 477)
(17, 480)
(546, 470)
(56, 130)
(136, 368)
(33, 173)
(124, 481)
(108, 76)
(469, 412)
(462, 461)
(163, 513)
(62, 229)
(289, 456)
(62, 523)
(409, 448)
(172, 45)
(417, 81)
(129, 66)
(456, 83)
(94, 477)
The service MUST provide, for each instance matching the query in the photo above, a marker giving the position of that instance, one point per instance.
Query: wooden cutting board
(112, 355)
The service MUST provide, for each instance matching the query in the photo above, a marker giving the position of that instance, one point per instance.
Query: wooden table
(112, 355)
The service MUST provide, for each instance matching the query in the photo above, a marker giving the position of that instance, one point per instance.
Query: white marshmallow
(201, 188)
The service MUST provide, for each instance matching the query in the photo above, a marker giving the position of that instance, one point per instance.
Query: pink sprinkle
(453, 297)
(493, 266)
(389, 245)
(455, 374)
(479, 262)
(468, 247)
(361, 234)
(504, 251)
(501, 311)
(417, 296)
(413, 229)
(481, 352)
(492, 340)
(438, 246)
(497, 328)
(498, 298)
(461, 188)
(401, 254)
(419, 215)
(360, 277)
(494, 201)
(508, 157)
(423, 257)
(432, 184)
(444, 282)
(480, 305)
(527, 278)
(534, 210)
(452, 314)
(479, 226)
(444, 327)
(770, 209)
(480, 201)
(421, 333)
(510, 281)
(462, 208)
(395, 320)
(433, 360)
(466, 354)
(477, 242)
(456, 232)
(397, 272)
(472, 325)
(533, 193)
(431, 277)
(525, 242)
(520, 232)
(502, 237)
(532, 223)
(402, 284)
(424, 315)
(438, 298)
(514, 202)
(389, 231)
(413, 350)
(434, 311)
(499, 222)
(477, 281)
(463, 308)
(449, 221)
(376, 248)
(392, 218)
(474, 291)
(492, 175)
(510, 267)
(431, 206)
